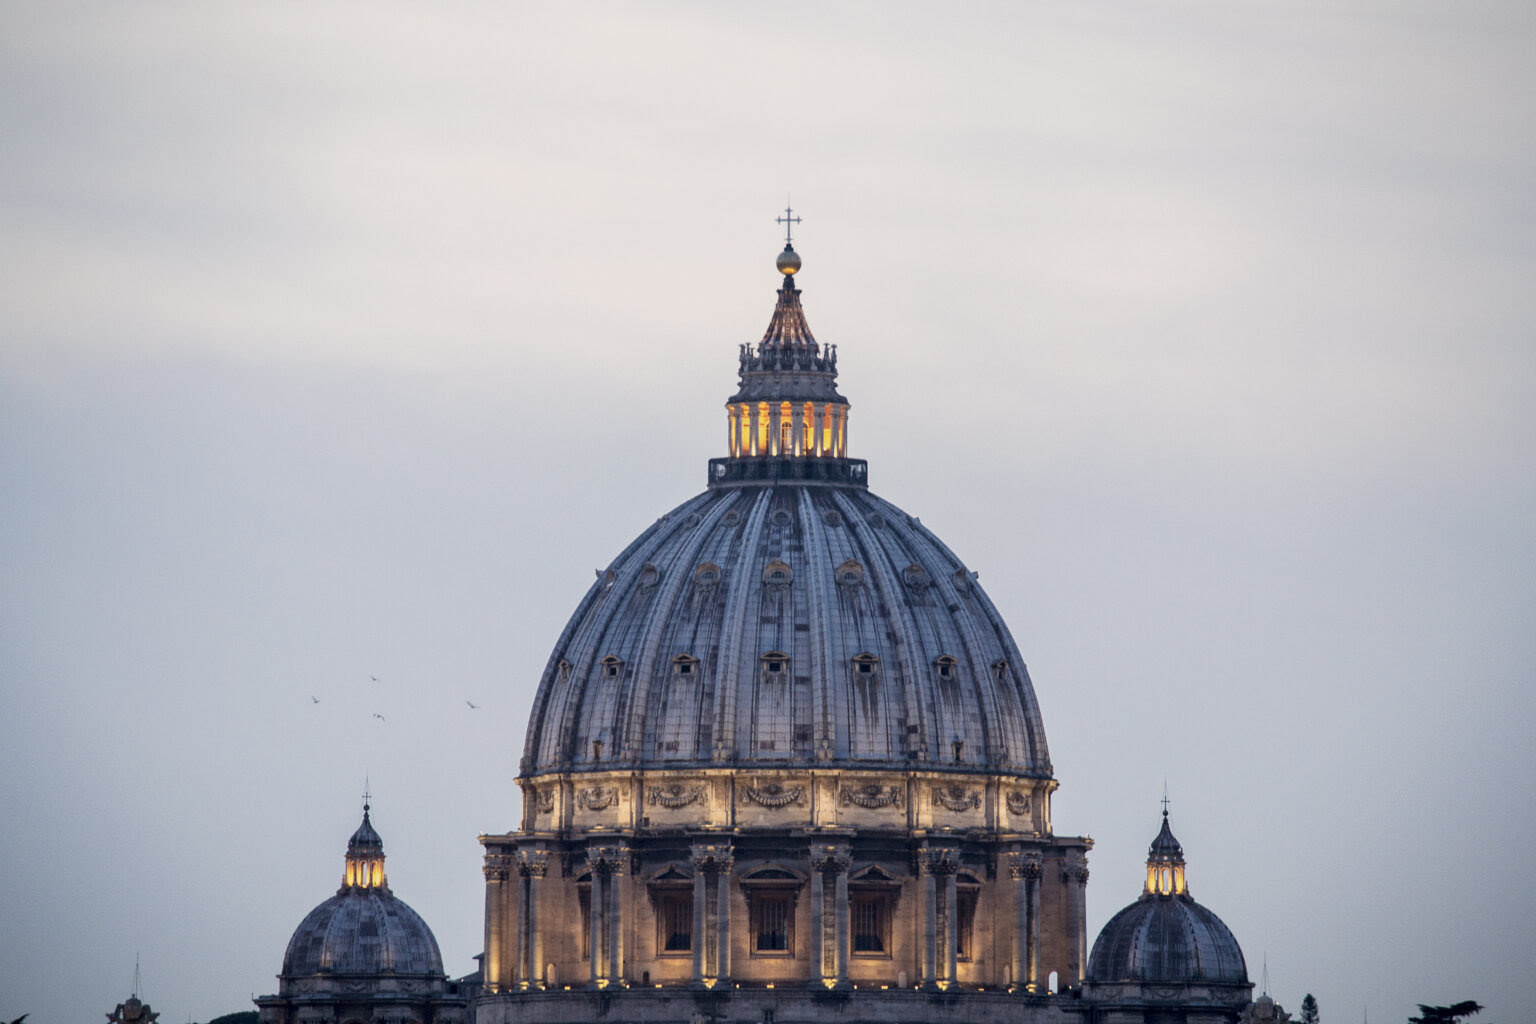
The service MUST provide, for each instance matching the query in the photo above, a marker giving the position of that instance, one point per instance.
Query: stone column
(700, 894)
(498, 870)
(724, 862)
(930, 920)
(818, 917)
(841, 862)
(532, 864)
(951, 929)
(618, 862)
(595, 905)
(520, 973)
(1074, 872)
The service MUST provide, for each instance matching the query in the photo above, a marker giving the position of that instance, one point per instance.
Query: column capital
(533, 863)
(608, 859)
(1074, 867)
(831, 857)
(1024, 865)
(719, 856)
(498, 867)
(938, 860)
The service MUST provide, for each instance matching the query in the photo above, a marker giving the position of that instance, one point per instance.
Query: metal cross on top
(789, 220)
(1165, 799)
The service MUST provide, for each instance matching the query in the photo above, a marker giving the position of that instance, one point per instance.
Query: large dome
(796, 622)
(786, 617)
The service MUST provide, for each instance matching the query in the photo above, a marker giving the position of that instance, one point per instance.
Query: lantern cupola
(786, 420)
(365, 858)
(1165, 863)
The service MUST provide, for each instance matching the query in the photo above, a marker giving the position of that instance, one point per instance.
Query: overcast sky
(345, 340)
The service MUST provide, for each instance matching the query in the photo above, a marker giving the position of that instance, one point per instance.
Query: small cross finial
(789, 220)
(1165, 798)
(366, 795)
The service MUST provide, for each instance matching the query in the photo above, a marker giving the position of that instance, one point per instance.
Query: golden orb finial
(788, 261)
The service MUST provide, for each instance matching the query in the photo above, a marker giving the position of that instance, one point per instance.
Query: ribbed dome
(1167, 939)
(364, 928)
(802, 624)
(363, 931)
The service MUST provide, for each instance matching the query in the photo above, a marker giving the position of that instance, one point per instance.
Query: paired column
(941, 918)
(831, 950)
(711, 930)
(532, 865)
(1024, 869)
(605, 934)
(498, 965)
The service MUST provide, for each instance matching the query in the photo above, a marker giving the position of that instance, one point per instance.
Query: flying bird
(378, 716)
(374, 678)
(315, 699)
(473, 705)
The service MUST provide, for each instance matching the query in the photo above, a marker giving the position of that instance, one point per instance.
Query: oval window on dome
(777, 574)
(832, 517)
(649, 576)
(915, 577)
(850, 574)
(781, 518)
(731, 518)
(707, 574)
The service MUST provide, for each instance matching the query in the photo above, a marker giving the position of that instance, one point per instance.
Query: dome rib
(907, 610)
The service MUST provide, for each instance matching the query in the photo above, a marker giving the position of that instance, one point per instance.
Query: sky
(339, 343)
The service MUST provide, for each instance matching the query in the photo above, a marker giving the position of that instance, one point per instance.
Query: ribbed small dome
(1169, 939)
(363, 931)
(364, 928)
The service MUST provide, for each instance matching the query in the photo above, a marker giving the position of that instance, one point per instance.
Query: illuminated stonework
(785, 745)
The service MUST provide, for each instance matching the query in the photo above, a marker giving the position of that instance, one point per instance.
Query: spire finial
(1165, 797)
(789, 260)
(367, 796)
(789, 220)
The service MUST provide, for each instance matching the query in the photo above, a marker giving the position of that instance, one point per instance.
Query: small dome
(363, 931)
(364, 928)
(788, 261)
(1167, 939)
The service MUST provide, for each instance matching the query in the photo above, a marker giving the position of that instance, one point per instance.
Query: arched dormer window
(777, 575)
(948, 667)
(612, 667)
